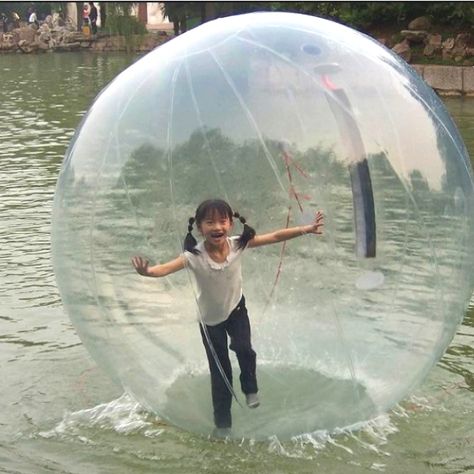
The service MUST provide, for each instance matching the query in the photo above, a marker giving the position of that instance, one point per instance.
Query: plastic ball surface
(281, 115)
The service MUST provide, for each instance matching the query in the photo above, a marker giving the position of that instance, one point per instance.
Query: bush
(124, 25)
(452, 13)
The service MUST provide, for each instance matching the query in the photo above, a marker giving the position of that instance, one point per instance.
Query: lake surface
(61, 413)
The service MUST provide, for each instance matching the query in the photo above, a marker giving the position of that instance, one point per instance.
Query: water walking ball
(280, 115)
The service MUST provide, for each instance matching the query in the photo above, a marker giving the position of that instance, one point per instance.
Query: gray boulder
(420, 23)
(414, 36)
(403, 50)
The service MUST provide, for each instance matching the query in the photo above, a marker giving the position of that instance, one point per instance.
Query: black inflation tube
(362, 193)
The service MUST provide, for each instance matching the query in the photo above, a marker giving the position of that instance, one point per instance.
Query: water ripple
(40, 111)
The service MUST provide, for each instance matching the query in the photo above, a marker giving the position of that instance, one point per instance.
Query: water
(60, 413)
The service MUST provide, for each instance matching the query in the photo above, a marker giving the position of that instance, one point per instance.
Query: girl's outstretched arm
(290, 232)
(142, 267)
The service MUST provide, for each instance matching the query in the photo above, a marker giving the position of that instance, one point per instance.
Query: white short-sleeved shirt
(219, 285)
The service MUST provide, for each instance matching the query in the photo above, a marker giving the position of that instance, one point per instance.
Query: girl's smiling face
(215, 228)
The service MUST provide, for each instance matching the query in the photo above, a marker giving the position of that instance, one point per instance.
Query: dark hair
(222, 208)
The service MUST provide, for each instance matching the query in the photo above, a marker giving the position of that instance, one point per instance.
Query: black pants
(237, 325)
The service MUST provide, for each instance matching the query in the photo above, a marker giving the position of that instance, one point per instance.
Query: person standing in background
(32, 18)
(4, 19)
(15, 20)
(93, 17)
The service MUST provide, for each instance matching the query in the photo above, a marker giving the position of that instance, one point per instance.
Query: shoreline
(446, 80)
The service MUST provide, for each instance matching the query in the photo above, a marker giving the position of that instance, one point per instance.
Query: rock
(43, 45)
(6, 42)
(44, 37)
(68, 46)
(25, 33)
(468, 81)
(429, 51)
(419, 68)
(447, 48)
(414, 36)
(458, 54)
(26, 47)
(98, 46)
(462, 40)
(435, 40)
(403, 50)
(456, 48)
(420, 23)
(459, 51)
(76, 36)
(447, 80)
(448, 44)
(433, 45)
(44, 28)
(57, 20)
(62, 38)
(48, 21)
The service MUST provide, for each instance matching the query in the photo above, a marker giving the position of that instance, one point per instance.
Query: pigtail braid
(189, 241)
(247, 234)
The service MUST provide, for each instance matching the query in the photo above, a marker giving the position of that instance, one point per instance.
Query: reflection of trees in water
(212, 160)
(147, 202)
(456, 357)
(153, 184)
(210, 164)
(148, 205)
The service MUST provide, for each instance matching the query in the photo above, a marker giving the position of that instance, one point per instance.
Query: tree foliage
(356, 14)
(42, 8)
(121, 22)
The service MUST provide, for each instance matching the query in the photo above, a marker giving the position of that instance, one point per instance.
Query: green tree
(359, 15)
(121, 22)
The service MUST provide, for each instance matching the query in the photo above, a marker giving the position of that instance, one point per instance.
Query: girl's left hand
(318, 224)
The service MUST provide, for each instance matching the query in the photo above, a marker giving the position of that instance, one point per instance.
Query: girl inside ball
(215, 263)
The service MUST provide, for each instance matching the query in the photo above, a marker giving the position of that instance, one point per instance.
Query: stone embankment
(51, 37)
(419, 41)
(448, 80)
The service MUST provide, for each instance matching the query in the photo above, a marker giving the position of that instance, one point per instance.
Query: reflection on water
(40, 110)
(47, 370)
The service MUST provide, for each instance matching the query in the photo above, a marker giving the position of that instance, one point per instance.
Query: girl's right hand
(140, 265)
